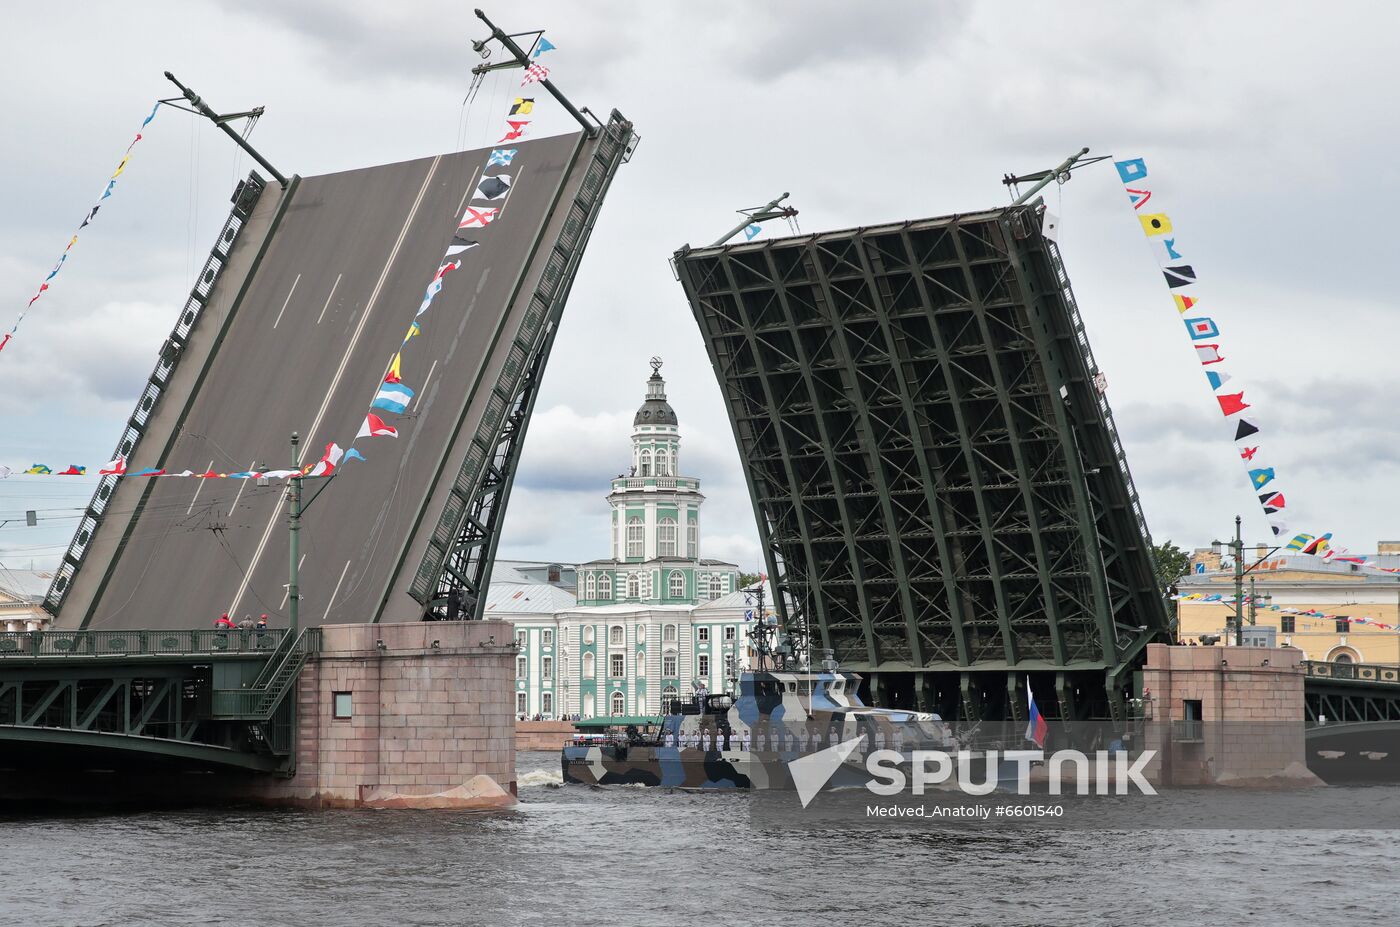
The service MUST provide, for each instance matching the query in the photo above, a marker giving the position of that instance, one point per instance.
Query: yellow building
(1344, 592)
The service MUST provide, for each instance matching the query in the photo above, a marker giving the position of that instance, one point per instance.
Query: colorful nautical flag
(374, 427)
(353, 454)
(73, 470)
(392, 397)
(501, 157)
(1272, 502)
(1244, 429)
(1154, 223)
(460, 244)
(326, 465)
(522, 106)
(148, 471)
(751, 232)
(478, 218)
(1300, 541)
(115, 467)
(1208, 354)
(1261, 477)
(1248, 453)
(533, 73)
(544, 46)
(1232, 403)
(1180, 275)
(39, 470)
(1318, 545)
(494, 187)
(1217, 378)
(517, 129)
(1202, 327)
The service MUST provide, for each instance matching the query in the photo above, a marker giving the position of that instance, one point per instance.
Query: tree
(1172, 563)
(747, 579)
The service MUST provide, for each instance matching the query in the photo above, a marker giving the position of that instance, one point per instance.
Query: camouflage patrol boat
(746, 740)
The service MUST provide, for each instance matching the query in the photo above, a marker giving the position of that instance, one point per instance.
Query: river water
(634, 856)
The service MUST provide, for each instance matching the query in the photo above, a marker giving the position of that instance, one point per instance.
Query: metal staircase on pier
(260, 700)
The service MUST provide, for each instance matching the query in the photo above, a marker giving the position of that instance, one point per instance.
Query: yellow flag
(1155, 223)
(522, 106)
(393, 375)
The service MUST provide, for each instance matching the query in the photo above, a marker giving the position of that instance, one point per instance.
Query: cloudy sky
(1271, 140)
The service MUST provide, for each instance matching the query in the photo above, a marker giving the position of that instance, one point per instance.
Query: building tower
(655, 526)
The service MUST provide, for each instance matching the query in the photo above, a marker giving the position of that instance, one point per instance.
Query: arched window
(676, 587)
(668, 634)
(588, 666)
(663, 463)
(634, 537)
(591, 587)
(666, 538)
(641, 664)
(605, 586)
(588, 634)
(646, 463)
(692, 540)
(634, 586)
(616, 636)
(619, 704)
(716, 586)
(669, 692)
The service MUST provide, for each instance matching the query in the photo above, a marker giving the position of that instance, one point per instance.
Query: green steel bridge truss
(939, 486)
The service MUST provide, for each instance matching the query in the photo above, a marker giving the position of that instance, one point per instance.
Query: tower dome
(655, 410)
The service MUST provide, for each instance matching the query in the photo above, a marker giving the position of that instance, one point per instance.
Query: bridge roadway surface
(325, 310)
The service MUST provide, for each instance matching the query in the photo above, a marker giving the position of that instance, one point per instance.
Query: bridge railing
(20, 644)
(1360, 672)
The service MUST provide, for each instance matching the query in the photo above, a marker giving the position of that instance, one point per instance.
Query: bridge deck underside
(936, 480)
(304, 349)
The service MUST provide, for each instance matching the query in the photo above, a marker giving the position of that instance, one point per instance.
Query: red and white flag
(326, 465)
(374, 427)
(115, 468)
(475, 217)
(517, 129)
(533, 73)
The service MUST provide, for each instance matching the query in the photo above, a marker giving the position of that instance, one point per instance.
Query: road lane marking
(328, 298)
(336, 592)
(197, 489)
(287, 300)
(466, 193)
(287, 587)
(340, 371)
(423, 390)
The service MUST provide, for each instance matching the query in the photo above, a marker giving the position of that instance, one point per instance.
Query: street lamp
(1237, 549)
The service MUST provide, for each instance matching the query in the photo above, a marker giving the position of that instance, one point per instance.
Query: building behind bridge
(651, 620)
(1343, 592)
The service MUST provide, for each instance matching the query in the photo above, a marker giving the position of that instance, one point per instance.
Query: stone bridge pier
(414, 715)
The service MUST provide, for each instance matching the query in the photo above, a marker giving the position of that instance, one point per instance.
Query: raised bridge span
(305, 298)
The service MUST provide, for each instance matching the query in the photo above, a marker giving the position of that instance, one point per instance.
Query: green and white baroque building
(654, 619)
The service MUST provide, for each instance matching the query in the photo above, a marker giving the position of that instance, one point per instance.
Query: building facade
(1359, 606)
(652, 620)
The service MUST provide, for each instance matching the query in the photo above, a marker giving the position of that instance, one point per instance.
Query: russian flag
(1037, 728)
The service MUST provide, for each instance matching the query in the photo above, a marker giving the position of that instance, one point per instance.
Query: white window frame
(618, 704)
(547, 637)
(605, 586)
(675, 587)
(702, 666)
(588, 665)
(522, 667)
(666, 537)
(668, 666)
(730, 633)
(522, 703)
(692, 540)
(546, 667)
(590, 587)
(546, 704)
(617, 666)
(636, 537)
(702, 633)
(669, 634)
(617, 636)
(634, 586)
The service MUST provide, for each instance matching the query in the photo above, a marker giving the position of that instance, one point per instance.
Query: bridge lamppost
(1237, 549)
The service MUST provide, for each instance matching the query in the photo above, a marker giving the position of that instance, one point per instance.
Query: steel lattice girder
(936, 479)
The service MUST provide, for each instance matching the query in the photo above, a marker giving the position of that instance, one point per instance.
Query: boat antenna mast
(775, 648)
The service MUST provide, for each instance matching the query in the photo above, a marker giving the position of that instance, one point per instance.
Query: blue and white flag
(392, 397)
(501, 157)
(751, 232)
(544, 46)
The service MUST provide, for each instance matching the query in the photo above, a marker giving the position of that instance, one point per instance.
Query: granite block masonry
(415, 715)
(1229, 716)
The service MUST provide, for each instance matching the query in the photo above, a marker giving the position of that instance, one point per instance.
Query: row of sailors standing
(777, 739)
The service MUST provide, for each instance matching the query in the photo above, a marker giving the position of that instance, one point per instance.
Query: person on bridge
(223, 622)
